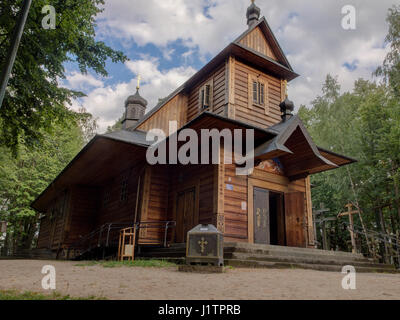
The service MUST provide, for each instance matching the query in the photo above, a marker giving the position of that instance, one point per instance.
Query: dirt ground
(170, 284)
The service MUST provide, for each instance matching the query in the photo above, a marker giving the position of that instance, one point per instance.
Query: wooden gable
(257, 41)
(261, 40)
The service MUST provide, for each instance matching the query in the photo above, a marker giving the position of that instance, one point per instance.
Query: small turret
(253, 14)
(287, 107)
(135, 108)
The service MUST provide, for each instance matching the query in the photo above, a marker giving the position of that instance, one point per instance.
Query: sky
(168, 41)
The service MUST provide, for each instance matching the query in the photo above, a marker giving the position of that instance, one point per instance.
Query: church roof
(280, 67)
(136, 137)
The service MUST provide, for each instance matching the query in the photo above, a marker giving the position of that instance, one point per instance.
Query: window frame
(258, 95)
(203, 95)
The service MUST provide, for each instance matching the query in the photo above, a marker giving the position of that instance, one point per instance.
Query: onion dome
(287, 107)
(253, 14)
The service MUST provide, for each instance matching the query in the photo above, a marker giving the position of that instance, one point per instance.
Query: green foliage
(116, 126)
(364, 124)
(28, 295)
(23, 178)
(391, 66)
(35, 103)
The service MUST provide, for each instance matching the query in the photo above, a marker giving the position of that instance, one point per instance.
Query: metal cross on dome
(138, 82)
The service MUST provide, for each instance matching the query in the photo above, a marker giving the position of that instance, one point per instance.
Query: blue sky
(168, 41)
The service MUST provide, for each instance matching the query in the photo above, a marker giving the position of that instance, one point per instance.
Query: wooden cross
(202, 244)
(322, 221)
(350, 213)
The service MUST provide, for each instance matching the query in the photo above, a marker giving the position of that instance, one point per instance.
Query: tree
(390, 69)
(34, 102)
(23, 178)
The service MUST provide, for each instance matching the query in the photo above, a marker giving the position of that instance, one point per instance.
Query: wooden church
(110, 185)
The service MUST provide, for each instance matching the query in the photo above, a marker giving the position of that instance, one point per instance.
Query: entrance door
(294, 217)
(185, 213)
(261, 217)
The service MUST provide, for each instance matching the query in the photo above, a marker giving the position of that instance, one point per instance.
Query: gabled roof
(269, 35)
(297, 151)
(280, 68)
(104, 152)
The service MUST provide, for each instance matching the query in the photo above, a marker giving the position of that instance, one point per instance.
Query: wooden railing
(107, 236)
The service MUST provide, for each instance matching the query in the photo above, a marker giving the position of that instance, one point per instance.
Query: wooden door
(185, 213)
(261, 218)
(294, 218)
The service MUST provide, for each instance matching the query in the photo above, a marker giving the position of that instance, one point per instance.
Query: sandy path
(152, 283)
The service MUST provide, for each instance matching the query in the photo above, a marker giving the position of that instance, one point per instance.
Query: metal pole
(12, 53)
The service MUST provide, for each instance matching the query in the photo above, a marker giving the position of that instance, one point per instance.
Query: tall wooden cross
(318, 217)
(350, 213)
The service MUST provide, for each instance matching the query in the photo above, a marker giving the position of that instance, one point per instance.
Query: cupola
(253, 14)
(135, 108)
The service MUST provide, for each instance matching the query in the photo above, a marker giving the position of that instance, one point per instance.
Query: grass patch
(28, 295)
(137, 263)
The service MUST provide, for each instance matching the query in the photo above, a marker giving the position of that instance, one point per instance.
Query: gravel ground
(170, 284)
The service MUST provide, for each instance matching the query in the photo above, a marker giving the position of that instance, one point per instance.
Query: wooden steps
(35, 254)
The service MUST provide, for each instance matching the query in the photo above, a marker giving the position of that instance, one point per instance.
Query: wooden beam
(310, 224)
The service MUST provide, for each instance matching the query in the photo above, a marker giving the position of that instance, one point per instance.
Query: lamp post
(12, 52)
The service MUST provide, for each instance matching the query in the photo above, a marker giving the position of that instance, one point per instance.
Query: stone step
(303, 259)
(294, 255)
(260, 248)
(289, 265)
(300, 253)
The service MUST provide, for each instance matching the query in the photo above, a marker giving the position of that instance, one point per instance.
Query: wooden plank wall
(200, 177)
(256, 115)
(174, 110)
(235, 194)
(154, 200)
(44, 233)
(238, 207)
(52, 229)
(84, 205)
(116, 210)
(218, 80)
(257, 41)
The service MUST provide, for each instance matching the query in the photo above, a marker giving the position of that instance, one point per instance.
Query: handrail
(109, 227)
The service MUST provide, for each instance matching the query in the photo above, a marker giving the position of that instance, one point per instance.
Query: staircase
(35, 254)
(244, 255)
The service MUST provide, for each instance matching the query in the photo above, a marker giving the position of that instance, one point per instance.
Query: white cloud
(309, 31)
(78, 81)
(107, 102)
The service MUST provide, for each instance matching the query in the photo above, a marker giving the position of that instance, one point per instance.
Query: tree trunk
(397, 200)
